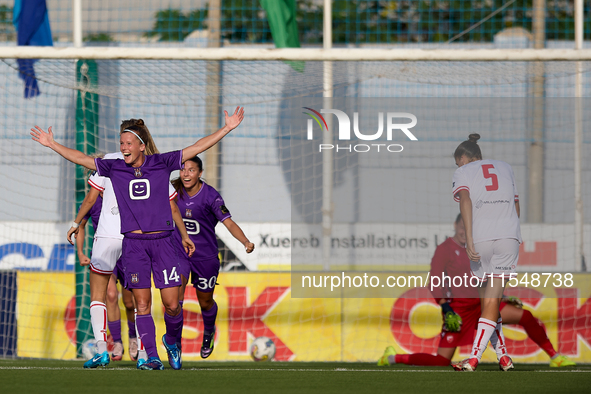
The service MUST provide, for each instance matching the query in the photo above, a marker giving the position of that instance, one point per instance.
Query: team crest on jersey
(135, 278)
(224, 209)
(137, 172)
(188, 213)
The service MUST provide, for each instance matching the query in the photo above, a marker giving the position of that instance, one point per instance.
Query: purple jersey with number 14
(201, 213)
(142, 192)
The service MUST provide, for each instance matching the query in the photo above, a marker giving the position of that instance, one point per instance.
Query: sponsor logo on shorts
(188, 213)
(135, 278)
(450, 338)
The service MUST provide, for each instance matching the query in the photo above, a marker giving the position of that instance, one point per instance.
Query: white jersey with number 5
(492, 189)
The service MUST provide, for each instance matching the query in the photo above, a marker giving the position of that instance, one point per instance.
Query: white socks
(497, 340)
(98, 319)
(485, 330)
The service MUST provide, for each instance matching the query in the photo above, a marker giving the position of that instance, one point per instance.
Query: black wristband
(446, 308)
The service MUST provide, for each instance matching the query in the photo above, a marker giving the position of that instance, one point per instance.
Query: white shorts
(497, 257)
(105, 253)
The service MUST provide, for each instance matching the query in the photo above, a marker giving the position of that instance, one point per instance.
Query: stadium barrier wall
(304, 329)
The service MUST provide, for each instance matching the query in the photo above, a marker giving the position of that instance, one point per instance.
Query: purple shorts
(118, 272)
(146, 254)
(184, 263)
(204, 273)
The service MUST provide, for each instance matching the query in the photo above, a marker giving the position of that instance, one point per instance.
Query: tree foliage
(376, 21)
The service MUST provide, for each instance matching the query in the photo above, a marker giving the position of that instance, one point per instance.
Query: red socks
(535, 330)
(422, 359)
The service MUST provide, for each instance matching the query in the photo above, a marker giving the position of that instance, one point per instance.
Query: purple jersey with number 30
(142, 192)
(201, 213)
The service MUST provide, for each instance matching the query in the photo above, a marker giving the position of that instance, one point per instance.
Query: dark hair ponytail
(178, 183)
(469, 148)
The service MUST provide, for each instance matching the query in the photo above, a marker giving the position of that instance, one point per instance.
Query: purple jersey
(201, 213)
(95, 212)
(142, 192)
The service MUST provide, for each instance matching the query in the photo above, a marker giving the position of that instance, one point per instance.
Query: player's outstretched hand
(189, 246)
(453, 322)
(71, 231)
(39, 135)
(249, 247)
(233, 121)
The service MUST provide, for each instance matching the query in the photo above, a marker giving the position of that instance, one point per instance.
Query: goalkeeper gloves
(516, 302)
(452, 321)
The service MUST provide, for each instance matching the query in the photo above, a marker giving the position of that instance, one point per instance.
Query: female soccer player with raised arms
(141, 185)
(489, 205)
(107, 248)
(202, 207)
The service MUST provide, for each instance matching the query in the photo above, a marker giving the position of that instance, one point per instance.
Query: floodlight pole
(327, 156)
(579, 218)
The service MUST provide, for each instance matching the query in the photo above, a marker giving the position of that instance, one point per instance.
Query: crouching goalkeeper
(460, 307)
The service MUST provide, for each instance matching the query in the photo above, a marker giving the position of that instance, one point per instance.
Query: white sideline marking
(205, 369)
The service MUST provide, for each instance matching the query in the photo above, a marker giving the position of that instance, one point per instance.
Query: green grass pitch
(51, 376)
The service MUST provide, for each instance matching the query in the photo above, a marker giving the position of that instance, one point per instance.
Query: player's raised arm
(77, 157)
(207, 142)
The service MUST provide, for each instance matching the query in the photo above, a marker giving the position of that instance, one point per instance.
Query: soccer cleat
(133, 349)
(117, 353)
(383, 361)
(140, 362)
(469, 365)
(153, 364)
(174, 355)
(99, 360)
(207, 344)
(561, 361)
(505, 363)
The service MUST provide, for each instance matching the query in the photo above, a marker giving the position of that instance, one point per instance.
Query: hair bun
(473, 137)
(140, 122)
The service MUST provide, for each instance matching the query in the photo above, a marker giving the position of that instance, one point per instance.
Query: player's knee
(172, 310)
(143, 308)
(206, 304)
(112, 296)
(128, 304)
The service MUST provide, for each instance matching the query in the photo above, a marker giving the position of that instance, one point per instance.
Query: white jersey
(491, 184)
(109, 225)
